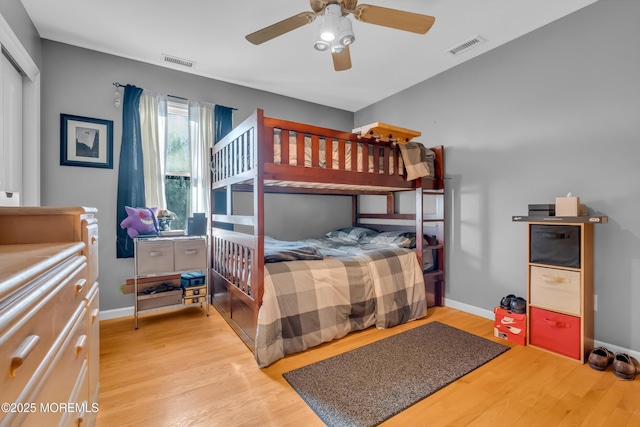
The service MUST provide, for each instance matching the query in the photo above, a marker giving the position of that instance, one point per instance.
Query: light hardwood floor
(182, 368)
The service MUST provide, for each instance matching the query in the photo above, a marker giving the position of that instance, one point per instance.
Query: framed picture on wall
(86, 142)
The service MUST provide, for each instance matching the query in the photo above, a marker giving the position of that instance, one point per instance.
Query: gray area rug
(368, 385)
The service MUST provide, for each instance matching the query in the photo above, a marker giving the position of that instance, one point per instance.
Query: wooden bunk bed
(263, 155)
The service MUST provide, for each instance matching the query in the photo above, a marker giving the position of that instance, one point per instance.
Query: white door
(10, 127)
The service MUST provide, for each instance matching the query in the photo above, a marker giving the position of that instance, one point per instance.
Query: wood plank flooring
(182, 368)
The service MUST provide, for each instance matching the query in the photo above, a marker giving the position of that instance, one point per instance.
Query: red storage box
(501, 331)
(510, 326)
(555, 332)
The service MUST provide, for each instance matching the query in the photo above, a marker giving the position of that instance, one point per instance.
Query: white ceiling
(211, 33)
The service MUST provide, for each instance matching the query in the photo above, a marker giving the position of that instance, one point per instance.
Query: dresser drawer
(555, 332)
(190, 255)
(64, 375)
(32, 323)
(154, 257)
(93, 326)
(90, 238)
(83, 407)
(555, 289)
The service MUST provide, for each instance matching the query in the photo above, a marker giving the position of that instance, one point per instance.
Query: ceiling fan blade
(342, 61)
(280, 28)
(393, 18)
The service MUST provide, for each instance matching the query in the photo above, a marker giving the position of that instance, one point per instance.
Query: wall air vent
(466, 45)
(178, 61)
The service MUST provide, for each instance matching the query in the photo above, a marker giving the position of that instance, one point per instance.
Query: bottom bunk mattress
(306, 303)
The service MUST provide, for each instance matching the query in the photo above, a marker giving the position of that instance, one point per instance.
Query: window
(177, 162)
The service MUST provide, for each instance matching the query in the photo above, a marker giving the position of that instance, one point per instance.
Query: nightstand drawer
(154, 257)
(195, 291)
(555, 289)
(190, 254)
(195, 300)
(556, 332)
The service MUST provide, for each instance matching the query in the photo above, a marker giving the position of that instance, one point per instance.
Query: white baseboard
(488, 314)
(616, 349)
(116, 313)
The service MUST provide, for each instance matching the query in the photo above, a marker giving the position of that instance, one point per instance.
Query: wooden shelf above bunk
(387, 133)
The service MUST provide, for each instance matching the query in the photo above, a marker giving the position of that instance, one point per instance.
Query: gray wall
(297, 216)
(79, 82)
(557, 110)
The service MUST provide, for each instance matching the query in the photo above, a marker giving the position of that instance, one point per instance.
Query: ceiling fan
(335, 32)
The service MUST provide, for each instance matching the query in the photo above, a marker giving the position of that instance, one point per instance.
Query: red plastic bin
(555, 332)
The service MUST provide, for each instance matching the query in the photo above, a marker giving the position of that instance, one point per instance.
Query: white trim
(18, 53)
(30, 192)
(616, 349)
(487, 314)
(31, 143)
(116, 313)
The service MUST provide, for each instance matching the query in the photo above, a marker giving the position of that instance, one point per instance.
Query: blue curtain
(130, 171)
(222, 123)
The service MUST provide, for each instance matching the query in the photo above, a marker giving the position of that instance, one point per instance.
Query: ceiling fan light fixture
(337, 47)
(345, 31)
(329, 22)
(321, 45)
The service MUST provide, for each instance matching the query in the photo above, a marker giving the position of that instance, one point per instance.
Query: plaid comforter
(306, 303)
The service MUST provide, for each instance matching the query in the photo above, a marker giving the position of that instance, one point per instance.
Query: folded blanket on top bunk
(418, 160)
(306, 303)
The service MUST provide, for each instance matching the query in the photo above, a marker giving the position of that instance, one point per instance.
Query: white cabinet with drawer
(159, 256)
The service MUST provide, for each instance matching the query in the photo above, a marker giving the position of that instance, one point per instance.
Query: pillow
(352, 233)
(402, 239)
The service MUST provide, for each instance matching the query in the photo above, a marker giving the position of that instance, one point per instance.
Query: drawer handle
(80, 344)
(156, 253)
(80, 286)
(556, 324)
(191, 252)
(94, 315)
(22, 353)
(81, 415)
(552, 279)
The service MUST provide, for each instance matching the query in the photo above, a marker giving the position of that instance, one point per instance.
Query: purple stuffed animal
(140, 221)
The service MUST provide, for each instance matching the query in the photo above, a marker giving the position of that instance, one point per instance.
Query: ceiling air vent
(178, 61)
(466, 45)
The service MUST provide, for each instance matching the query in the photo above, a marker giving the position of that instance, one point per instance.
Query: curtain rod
(116, 84)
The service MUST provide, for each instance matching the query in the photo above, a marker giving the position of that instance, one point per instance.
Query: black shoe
(505, 304)
(519, 305)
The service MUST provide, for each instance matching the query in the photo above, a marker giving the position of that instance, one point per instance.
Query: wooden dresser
(49, 331)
